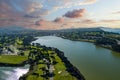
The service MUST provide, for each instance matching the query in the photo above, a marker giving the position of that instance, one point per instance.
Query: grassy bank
(46, 63)
(12, 59)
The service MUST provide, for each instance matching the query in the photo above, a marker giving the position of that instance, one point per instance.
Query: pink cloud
(71, 3)
(76, 13)
(60, 20)
(110, 21)
(88, 21)
(40, 22)
(117, 12)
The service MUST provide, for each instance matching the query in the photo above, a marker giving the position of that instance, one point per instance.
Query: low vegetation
(12, 59)
(105, 39)
(45, 62)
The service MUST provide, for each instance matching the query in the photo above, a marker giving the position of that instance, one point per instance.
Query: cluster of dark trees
(4, 40)
(37, 53)
(89, 35)
(116, 47)
(11, 39)
(105, 41)
(109, 41)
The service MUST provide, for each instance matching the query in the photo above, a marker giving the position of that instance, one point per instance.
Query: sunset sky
(60, 14)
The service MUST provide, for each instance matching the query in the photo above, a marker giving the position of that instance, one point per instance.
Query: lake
(94, 62)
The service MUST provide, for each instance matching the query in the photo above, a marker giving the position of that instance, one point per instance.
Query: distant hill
(115, 30)
(19, 30)
(12, 30)
(81, 29)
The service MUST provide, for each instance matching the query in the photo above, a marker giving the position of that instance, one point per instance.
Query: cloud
(110, 21)
(27, 12)
(28, 7)
(46, 25)
(88, 21)
(15, 12)
(75, 13)
(30, 16)
(87, 2)
(33, 6)
(60, 20)
(4, 7)
(38, 7)
(40, 22)
(117, 12)
(71, 3)
(18, 13)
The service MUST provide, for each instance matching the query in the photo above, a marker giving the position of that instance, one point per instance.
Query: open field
(12, 59)
(59, 69)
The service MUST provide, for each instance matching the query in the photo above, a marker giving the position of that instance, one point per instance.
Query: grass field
(12, 59)
(60, 71)
(37, 72)
(37, 69)
(26, 52)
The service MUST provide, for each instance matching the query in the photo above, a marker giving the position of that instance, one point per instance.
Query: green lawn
(60, 67)
(37, 70)
(12, 59)
(26, 52)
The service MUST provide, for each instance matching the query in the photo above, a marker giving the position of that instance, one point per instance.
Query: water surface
(94, 62)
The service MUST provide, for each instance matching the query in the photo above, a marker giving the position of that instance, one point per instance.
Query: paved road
(51, 72)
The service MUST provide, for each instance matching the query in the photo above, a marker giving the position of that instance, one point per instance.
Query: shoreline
(70, 67)
(82, 40)
(106, 47)
(74, 71)
(59, 53)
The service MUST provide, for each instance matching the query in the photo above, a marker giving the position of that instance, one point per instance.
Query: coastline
(74, 70)
(82, 40)
(21, 64)
(69, 66)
